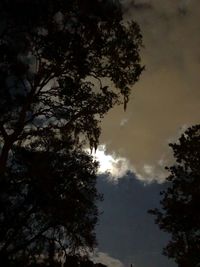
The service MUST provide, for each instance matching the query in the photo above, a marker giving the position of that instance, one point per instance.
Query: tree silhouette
(63, 66)
(180, 214)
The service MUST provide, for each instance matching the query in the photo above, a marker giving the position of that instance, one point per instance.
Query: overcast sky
(163, 103)
(167, 97)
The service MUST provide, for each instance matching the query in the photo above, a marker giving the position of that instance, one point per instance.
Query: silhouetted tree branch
(63, 66)
(180, 214)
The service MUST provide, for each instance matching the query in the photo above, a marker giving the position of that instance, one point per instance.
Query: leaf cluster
(180, 214)
(63, 66)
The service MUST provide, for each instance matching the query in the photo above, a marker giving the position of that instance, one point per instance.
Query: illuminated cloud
(111, 164)
(167, 95)
(104, 258)
(116, 167)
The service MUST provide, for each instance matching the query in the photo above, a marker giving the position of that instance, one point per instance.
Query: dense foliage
(63, 65)
(180, 214)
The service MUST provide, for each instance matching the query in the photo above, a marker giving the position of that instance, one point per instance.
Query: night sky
(126, 232)
(163, 104)
(133, 150)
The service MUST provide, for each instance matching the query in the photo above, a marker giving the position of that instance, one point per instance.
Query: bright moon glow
(115, 166)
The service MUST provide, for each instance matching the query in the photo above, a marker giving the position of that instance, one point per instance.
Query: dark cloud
(126, 231)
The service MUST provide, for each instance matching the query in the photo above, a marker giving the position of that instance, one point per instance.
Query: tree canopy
(63, 66)
(180, 214)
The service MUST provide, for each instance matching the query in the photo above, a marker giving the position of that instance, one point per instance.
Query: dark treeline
(63, 66)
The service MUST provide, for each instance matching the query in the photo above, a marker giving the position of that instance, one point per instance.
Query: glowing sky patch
(116, 167)
(111, 164)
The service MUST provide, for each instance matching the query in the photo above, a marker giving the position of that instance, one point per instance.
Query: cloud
(167, 95)
(112, 164)
(116, 167)
(105, 258)
(148, 169)
(123, 122)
